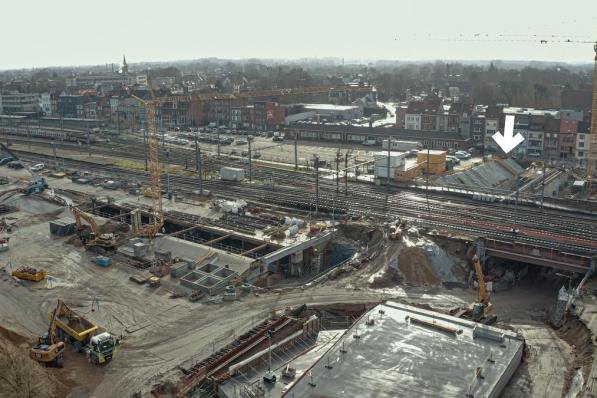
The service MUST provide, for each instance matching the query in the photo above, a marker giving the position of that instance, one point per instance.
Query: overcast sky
(39, 33)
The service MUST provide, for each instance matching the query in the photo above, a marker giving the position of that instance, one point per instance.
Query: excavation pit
(208, 268)
(224, 273)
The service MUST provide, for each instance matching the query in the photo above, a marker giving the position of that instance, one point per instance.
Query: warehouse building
(335, 112)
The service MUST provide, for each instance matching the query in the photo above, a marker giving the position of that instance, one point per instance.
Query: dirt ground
(161, 334)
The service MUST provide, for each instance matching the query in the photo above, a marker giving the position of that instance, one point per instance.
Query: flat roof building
(396, 350)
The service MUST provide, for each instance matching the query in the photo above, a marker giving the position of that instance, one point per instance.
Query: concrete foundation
(181, 268)
(395, 350)
(208, 278)
(62, 227)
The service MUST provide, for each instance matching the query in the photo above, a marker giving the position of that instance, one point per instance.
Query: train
(49, 133)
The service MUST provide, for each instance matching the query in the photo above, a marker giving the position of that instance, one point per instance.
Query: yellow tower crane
(155, 186)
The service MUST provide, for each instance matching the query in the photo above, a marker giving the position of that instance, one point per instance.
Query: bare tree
(21, 377)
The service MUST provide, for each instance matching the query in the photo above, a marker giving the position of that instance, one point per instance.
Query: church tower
(125, 67)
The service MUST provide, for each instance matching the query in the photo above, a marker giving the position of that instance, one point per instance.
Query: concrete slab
(398, 357)
(192, 251)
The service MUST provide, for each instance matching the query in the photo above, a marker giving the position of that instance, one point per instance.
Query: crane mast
(155, 186)
(154, 171)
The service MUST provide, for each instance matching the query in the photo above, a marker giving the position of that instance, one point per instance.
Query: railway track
(296, 190)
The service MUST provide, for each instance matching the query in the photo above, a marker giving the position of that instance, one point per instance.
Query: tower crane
(155, 187)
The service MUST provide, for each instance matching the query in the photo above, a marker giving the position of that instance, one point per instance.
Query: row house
(131, 113)
(568, 133)
(477, 123)
(49, 104)
(582, 142)
(431, 109)
(75, 105)
(459, 118)
(536, 136)
(412, 117)
(236, 117)
(267, 115)
(175, 112)
(218, 110)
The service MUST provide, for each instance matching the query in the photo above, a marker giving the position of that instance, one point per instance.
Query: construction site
(322, 259)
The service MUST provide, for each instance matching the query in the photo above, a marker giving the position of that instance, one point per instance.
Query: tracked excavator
(481, 310)
(48, 350)
(92, 237)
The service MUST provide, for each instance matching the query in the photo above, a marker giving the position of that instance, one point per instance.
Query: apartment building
(14, 102)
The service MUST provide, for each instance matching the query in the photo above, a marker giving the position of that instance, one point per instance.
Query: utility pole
(337, 172)
(427, 179)
(346, 173)
(543, 181)
(389, 163)
(515, 211)
(316, 185)
(295, 150)
(200, 171)
(250, 163)
(196, 153)
(55, 156)
(145, 146)
(218, 138)
(168, 173)
(88, 141)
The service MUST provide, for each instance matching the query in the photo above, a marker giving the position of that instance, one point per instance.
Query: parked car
(453, 159)
(15, 164)
(241, 141)
(38, 167)
(463, 155)
(6, 160)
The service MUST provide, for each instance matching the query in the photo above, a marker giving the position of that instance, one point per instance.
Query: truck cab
(102, 347)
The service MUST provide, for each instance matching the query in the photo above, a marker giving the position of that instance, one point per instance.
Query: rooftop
(329, 107)
(398, 356)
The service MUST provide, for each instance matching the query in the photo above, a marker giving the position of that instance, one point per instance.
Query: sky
(38, 33)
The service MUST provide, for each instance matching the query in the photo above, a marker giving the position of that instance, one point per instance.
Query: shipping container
(402, 146)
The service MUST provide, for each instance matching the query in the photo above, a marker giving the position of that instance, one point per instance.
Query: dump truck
(99, 346)
(30, 274)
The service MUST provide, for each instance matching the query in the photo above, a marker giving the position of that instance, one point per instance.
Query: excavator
(48, 350)
(93, 237)
(480, 310)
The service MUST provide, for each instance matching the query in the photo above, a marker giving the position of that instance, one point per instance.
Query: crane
(49, 351)
(95, 237)
(482, 308)
(155, 188)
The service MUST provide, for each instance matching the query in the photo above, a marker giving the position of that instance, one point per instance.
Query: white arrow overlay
(508, 141)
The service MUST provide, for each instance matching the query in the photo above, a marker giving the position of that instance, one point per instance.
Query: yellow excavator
(48, 350)
(481, 310)
(92, 237)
